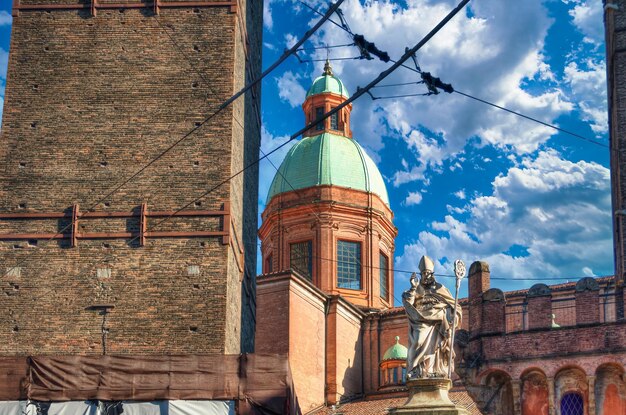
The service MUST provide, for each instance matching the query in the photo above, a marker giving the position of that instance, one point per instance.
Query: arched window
(572, 404)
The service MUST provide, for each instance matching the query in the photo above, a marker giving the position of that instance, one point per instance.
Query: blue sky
(465, 180)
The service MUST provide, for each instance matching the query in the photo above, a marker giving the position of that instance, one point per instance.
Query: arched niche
(569, 381)
(610, 390)
(535, 393)
(496, 393)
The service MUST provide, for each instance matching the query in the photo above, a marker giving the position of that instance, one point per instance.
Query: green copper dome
(328, 159)
(327, 83)
(396, 352)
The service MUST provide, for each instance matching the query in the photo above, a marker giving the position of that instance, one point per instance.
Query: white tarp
(130, 408)
(12, 407)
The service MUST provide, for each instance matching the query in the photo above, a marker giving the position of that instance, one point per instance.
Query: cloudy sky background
(465, 180)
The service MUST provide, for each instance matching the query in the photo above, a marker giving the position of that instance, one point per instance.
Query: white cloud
(290, 40)
(268, 166)
(472, 54)
(589, 91)
(414, 198)
(4, 63)
(407, 175)
(269, 46)
(268, 21)
(588, 19)
(588, 272)
(5, 18)
(557, 210)
(460, 194)
(290, 90)
(453, 209)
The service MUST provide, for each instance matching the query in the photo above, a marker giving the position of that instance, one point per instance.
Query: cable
(400, 84)
(533, 119)
(347, 58)
(358, 94)
(476, 98)
(517, 113)
(374, 98)
(223, 106)
(318, 12)
(325, 47)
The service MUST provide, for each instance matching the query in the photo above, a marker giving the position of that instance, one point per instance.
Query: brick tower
(96, 90)
(614, 23)
(328, 215)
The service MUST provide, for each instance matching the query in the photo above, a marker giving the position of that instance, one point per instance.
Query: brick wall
(88, 101)
(345, 351)
(615, 22)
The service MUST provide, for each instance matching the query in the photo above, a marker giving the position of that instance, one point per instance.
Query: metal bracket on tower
(143, 224)
(74, 235)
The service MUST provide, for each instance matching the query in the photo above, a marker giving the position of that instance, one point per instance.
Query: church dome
(328, 159)
(396, 352)
(327, 83)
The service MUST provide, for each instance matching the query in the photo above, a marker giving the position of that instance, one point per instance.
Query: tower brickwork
(94, 92)
(615, 22)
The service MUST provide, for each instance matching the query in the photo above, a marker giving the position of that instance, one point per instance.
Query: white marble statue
(429, 307)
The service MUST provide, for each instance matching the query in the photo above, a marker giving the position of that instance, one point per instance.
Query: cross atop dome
(328, 70)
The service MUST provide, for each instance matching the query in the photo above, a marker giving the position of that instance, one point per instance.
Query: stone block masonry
(89, 100)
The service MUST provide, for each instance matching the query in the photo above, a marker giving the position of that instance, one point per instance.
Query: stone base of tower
(428, 397)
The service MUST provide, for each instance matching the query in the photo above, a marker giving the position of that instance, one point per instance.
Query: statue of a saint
(429, 307)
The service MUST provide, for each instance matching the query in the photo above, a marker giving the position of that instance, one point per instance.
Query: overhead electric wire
(286, 54)
(519, 114)
(325, 47)
(358, 94)
(423, 94)
(347, 58)
(399, 84)
(320, 13)
(533, 119)
(564, 280)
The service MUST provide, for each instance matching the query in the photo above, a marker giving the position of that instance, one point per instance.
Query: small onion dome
(396, 352)
(328, 159)
(327, 83)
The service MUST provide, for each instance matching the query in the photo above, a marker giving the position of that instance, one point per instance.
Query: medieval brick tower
(615, 35)
(98, 261)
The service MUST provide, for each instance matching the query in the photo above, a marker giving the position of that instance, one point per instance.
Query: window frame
(269, 264)
(334, 120)
(380, 276)
(310, 257)
(319, 112)
(359, 263)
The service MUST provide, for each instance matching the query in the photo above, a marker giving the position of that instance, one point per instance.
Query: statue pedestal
(428, 397)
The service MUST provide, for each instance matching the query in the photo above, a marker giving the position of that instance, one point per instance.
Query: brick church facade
(547, 350)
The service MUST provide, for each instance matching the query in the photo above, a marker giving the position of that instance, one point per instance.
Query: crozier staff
(429, 307)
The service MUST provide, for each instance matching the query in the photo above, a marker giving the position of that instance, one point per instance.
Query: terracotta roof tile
(381, 404)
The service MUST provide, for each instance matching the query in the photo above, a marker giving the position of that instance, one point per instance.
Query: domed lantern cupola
(326, 93)
(393, 365)
(327, 216)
